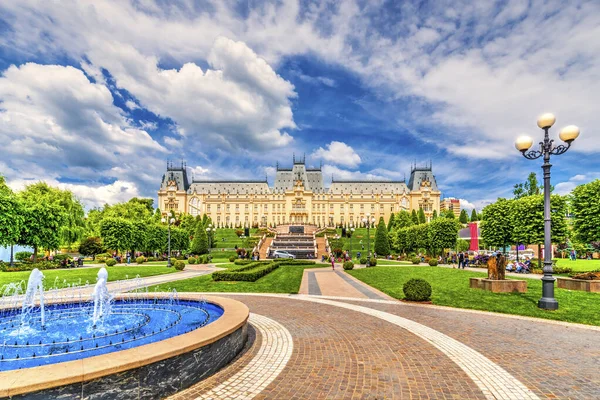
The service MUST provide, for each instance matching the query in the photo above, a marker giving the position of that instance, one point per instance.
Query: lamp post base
(548, 302)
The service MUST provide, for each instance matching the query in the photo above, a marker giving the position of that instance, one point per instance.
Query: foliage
(232, 258)
(23, 255)
(588, 276)
(497, 225)
(414, 217)
(391, 221)
(462, 245)
(585, 206)
(111, 262)
(363, 260)
(179, 239)
(421, 216)
(373, 262)
(156, 238)
(140, 260)
(399, 240)
(200, 242)
(433, 262)
(417, 289)
(463, 218)
(348, 265)
(91, 246)
(117, 233)
(179, 265)
(442, 234)
(29, 266)
(250, 273)
(42, 223)
(527, 219)
(11, 216)
(192, 260)
(416, 260)
(418, 237)
(382, 241)
(139, 235)
(402, 220)
(434, 215)
(448, 214)
(474, 216)
(531, 187)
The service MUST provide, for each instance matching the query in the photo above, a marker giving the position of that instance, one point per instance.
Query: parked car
(282, 254)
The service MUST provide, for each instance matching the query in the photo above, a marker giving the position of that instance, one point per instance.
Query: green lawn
(227, 238)
(451, 288)
(578, 265)
(285, 279)
(354, 244)
(85, 274)
(381, 262)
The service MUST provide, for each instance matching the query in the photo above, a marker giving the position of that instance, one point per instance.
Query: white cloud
(344, 174)
(338, 153)
(567, 187)
(466, 205)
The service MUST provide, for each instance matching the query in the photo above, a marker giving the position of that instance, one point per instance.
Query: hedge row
(292, 261)
(247, 275)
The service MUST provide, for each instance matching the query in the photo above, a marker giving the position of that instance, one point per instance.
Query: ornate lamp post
(209, 231)
(170, 221)
(367, 221)
(523, 143)
(351, 234)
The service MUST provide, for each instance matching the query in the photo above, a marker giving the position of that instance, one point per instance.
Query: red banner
(474, 233)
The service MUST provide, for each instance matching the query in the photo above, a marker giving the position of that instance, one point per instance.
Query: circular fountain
(156, 344)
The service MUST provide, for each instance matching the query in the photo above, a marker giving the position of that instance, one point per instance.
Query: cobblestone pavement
(342, 351)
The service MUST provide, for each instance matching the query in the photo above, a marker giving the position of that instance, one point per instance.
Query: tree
(117, 233)
(139, 235)
(442, 234)
(401, 240)
(462, 245)
(531, 187)
(414, 217)
(390, 224)
(180, 239)
(585, 207)
(200, 243)
(474, 216)
(402, 220)
(497, 224)
(421, 215)
(156, 238)
(42, 221)
(382, 241)
(463, 218)
(11, 216)
(417, 237)
(91, 246)
(435, 215)
(448, 214)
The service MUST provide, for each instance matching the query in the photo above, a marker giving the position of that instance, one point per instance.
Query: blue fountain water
(71, 331)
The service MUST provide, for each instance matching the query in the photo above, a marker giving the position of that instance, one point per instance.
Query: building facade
(297, 196)
(451, 204)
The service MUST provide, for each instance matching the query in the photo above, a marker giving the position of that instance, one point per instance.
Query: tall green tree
(91, 246)
(474, 216)
(139, 235)
(11, 216)
(414, 217)
(156, 238)
(463, 218)
(585, 207)
(421, 216)
(200, 242)
(448, 214)
(442, 234)
(382, 241)
(390, 224)
(435, 215)
(530, 187)
(117, 233)
(497, 224)
(179, 239)
(402, 220)
(401, 240)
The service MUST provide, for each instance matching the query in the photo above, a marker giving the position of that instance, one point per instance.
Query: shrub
(111, 262)
(232, 258)
(363, 260)
(140, 260)
(373, 262)
(416, 260)
(247, 273)
(60, 257)
(179, 265)
(104, 255)
(5, 267)
(23, 255)
(348, 265)
(433, 262)
(192, 260)
(417, 290)
(101, 260)
(591, 276)
(562, 270)
(151, 258)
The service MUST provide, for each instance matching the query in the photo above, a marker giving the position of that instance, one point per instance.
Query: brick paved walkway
(379, 349)
(328, 282)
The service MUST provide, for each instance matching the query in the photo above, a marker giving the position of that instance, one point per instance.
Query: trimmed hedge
(179, 265)
(417, 290)
(293, 261)
(348, 265)
(416, 260)
(244, 273)
(5, 267)
(232, 258)
(363, 260)
(111, 262)
(140, 260)
(433, 262)
(373, 262)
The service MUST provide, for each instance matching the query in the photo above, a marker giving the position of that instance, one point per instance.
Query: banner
(474, 233)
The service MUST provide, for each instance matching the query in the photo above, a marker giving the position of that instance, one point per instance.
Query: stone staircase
(291, 239)
(320, 247)
(264, 247)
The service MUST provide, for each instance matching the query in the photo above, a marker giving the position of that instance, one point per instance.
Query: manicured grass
(360, 234)
(450, 287)
(80, 276)
(227, 238)
(578, 265)
(285, 279)
(381, 262)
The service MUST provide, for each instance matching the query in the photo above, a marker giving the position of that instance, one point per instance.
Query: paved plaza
(354, 342)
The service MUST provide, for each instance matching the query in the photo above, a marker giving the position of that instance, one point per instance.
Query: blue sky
(95, 97)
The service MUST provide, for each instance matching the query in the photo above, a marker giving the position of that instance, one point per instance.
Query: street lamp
(170, 221)
(208, 233)
(567, 134)
(367, 221)
(351, 234)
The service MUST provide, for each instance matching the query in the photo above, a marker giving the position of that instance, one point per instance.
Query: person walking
(461, 260)
(332, 261)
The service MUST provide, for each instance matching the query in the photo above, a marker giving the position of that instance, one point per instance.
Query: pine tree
(449, 214)
(434, 216)
(422, 218)
(200, 243)
(463, 218)
(474, 216)
(390, 224)
(414, 217)
(382, 240)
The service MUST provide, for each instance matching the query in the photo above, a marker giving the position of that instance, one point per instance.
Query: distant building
(451, 204)
(297, 196)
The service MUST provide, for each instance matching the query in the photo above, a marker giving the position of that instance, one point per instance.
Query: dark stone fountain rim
(235, 316)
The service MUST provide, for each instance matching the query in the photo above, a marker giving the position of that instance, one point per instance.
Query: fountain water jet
(34, 284)
(102, 297)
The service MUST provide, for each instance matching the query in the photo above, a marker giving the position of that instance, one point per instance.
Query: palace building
(298, 195)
